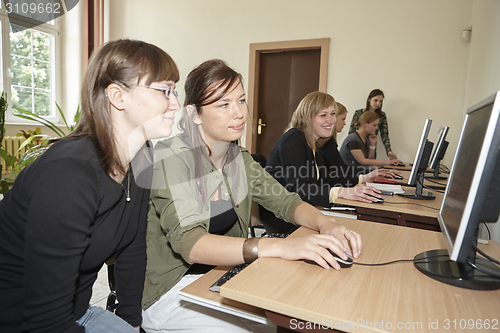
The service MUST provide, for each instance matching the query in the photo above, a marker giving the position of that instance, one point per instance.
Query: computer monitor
(471, 197)
(419, 166)
(438, 153)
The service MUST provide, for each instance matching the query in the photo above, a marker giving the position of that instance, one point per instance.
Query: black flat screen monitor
(438, 153)
(419, 166)
(472, 196)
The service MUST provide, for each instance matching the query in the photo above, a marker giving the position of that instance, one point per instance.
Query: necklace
(127, 191)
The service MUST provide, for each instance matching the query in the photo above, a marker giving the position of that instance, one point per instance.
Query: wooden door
(284, 79)
(281, 74)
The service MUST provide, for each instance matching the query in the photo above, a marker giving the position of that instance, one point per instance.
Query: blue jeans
(99, 320)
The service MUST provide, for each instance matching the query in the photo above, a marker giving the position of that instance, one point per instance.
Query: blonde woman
(340, 123)
(305, 159)
(359, 147)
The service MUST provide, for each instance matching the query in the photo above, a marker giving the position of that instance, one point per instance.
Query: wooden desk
(198, 293)
(400, 211)
(385, 296)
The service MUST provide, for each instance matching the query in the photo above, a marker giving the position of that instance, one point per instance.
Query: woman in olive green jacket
(200, 210)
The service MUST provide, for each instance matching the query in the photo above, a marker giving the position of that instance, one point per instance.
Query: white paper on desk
(387, 187)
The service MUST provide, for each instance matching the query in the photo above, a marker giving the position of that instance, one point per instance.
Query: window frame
(5, 81)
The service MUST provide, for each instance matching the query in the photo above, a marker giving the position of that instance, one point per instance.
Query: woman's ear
(191, 110)
(114, 94)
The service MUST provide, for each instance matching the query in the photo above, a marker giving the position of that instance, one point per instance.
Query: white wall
(483, 72)
(411, 50)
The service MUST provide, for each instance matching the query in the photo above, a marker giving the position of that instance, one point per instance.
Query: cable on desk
(487, 229)
(409, 203)
(433, 181)
(429, 188)
(485, 255)
(444, 169)
(483, 271)
(395, 261)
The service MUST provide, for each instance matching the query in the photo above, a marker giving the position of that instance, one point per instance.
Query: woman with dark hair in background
(374, 103)
(200, 210)
(305, 159)
(80, 204)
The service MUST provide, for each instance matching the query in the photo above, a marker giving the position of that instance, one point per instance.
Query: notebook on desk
(387, 187)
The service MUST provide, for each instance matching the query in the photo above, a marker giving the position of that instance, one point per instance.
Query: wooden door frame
(323, 44)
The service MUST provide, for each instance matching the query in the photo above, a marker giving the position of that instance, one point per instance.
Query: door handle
(259, 126)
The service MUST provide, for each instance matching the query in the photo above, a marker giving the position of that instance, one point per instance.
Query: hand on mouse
(311, 247)
(384, 173)
(359, 193)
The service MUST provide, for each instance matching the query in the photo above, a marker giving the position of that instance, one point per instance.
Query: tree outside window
(31, 70)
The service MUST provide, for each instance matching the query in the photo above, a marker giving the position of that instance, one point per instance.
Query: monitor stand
(437, 265)
(418, 192)
(436, 175)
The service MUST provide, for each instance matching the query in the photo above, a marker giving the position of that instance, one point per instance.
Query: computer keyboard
(226, 277)
(340, 207)
(238, 268)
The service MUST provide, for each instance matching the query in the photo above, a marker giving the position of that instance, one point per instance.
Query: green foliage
(36, 142)
(25, 114)
(9, 159)
(31, 70)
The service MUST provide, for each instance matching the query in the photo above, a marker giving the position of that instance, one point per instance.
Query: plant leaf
(62, 116)
(34, 117)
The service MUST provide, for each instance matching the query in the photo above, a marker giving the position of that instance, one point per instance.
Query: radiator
(11, 144)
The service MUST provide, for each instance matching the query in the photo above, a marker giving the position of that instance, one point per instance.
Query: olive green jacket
(178, 218)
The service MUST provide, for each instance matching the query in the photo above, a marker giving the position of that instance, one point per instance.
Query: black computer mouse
(399, 177)
(343, 263)
(377, 200)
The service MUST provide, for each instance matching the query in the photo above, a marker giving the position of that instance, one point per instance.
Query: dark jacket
(291, 162)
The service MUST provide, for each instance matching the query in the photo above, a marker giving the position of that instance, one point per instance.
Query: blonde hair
(366, 117)
(339, 110)
(309, 107)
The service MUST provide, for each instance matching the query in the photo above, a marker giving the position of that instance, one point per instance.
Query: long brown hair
(373, 93)
(309, 107)
(124, 62)
(205, 85)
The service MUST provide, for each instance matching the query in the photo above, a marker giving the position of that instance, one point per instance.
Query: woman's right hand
(394, 162)
(311, 247)
(361, 193)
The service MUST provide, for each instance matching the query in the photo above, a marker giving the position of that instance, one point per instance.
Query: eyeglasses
(166, 91)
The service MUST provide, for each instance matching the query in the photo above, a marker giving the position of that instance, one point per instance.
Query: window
(29, 65)
(31, 70)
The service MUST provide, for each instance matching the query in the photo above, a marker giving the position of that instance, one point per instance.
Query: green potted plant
(36, 142)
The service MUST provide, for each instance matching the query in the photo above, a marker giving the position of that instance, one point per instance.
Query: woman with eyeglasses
(85, 200)
(201, 204)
